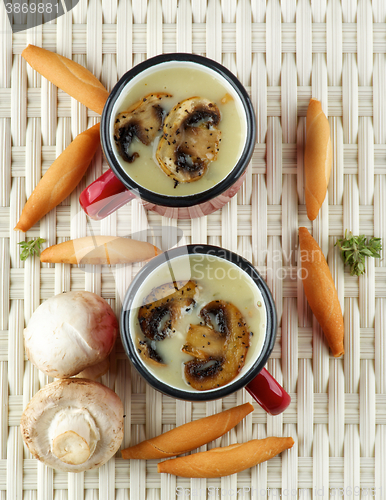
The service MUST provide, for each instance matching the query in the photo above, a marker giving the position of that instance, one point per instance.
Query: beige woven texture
(283, 53)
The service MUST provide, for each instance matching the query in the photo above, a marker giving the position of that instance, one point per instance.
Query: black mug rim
(194, 199)
(271, 323)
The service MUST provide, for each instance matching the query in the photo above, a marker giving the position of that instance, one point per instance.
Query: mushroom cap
(95, 371)
(103, 405)
(70, 332)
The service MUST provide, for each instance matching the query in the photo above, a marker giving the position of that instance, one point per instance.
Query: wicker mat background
(284, 54)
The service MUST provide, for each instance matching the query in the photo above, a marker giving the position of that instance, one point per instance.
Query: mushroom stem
(75, 436)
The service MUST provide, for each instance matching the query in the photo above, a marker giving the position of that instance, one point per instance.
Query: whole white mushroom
(73, 425)
(71, 332)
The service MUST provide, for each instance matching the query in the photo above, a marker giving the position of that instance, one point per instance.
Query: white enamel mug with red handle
(115, 187)
(253, 376)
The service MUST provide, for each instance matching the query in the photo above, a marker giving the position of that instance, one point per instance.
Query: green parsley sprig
(30, 248)
(356, 248)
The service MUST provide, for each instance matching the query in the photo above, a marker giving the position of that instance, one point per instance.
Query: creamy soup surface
(217, 279)
(184, 82)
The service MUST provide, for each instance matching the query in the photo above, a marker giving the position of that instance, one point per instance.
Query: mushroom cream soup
(215, 281)
(183, 82)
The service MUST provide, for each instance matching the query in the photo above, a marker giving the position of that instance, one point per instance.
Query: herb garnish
(354, 250)
(30, 248)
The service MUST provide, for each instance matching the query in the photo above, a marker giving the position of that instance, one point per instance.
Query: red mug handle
(268, 393)
(104, 196)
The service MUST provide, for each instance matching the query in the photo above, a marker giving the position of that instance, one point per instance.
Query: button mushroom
(69, 333)
(190, 139)
(157, 319)
(215, 366)
(143, 120)
(73, 425)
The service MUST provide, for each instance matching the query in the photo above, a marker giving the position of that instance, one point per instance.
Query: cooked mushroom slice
(143, 120)
(157, 319)
(162, 291)
(149, 354)
(190, 139)
(73, 424)
(213, 372)
(203, 342)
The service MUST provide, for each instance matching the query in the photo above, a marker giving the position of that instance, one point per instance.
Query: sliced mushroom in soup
(190, 140)
(142, 120)
(158, 318)
(228, 358)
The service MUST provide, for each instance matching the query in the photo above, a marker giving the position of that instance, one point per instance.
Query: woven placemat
(283, 53)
